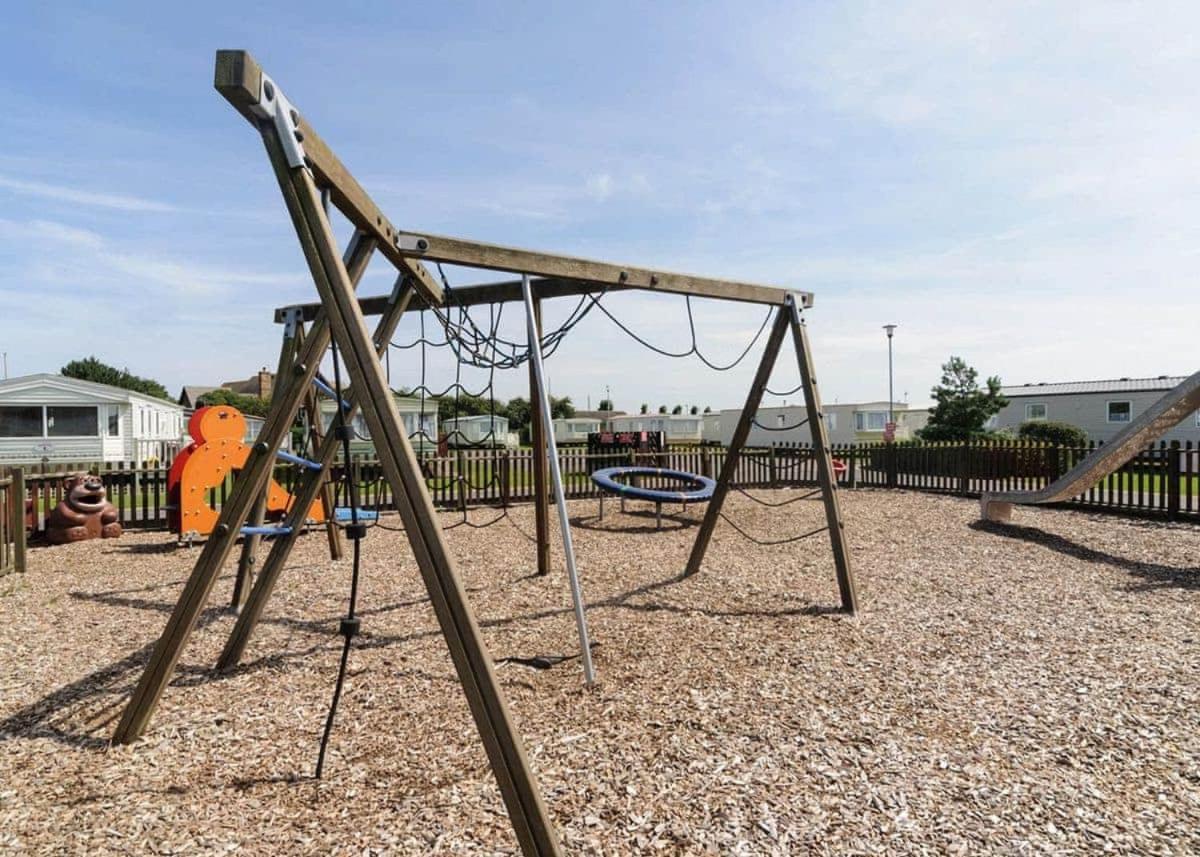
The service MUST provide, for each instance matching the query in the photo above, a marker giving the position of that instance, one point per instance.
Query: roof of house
(105, 392)
(191, 393)
(1114, 385)
(470, 418)
(597, 415)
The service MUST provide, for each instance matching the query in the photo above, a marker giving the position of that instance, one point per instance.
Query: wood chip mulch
(1032, 688)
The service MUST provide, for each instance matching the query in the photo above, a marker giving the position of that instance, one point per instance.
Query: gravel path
(1026, 689)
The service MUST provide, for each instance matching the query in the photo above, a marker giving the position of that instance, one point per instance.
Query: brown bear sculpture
(84, 512)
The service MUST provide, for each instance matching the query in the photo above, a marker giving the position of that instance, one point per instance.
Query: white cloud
(78, 196)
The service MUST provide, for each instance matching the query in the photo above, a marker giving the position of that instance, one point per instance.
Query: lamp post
(891, 329)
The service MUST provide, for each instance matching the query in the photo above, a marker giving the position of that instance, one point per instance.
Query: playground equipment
(215, 452)
(610, 479)
(309, 174)
(1159, 418)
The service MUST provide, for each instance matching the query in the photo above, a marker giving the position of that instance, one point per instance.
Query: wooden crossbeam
(544, 288)
(239, 78)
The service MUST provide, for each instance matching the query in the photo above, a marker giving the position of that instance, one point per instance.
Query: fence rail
(1162, 481)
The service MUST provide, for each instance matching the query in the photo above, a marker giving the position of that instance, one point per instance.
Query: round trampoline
(700, 487)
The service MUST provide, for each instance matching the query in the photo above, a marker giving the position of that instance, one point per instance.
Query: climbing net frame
(310, 176)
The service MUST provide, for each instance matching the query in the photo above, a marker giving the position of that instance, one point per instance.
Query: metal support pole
(535, 351)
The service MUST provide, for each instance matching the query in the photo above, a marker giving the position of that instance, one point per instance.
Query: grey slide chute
(1158, 419)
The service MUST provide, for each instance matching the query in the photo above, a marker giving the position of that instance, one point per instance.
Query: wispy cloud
(83, 258)
(78, 196)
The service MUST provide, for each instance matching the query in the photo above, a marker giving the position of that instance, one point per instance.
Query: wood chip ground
(1024, 689)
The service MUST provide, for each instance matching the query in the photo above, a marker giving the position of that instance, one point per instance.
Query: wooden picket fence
(12, 521)
(1163, 481)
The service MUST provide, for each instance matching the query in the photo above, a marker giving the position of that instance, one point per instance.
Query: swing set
(311, 178)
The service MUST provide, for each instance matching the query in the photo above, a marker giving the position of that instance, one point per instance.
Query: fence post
(772, 471)
(1174, 477)
(964, 463)
(892, 464)
(17, 498)
(505, 477)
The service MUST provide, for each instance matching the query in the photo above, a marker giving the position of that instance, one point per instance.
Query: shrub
(1059, 434)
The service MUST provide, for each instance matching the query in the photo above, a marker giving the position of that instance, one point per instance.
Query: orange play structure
(216, 451)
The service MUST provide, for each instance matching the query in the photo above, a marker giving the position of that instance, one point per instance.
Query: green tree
(963, 407)
(606, 405)
(253, 406)
(662, 409)
(561, 409)
(92, 369)
(645, 408)
(678, 409)
(519, 413)
(694, 410)
(466, 406)
(708, 409)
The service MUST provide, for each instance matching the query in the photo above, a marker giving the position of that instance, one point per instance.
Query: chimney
(266, 383)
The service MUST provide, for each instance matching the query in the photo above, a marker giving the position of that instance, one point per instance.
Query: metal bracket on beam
(412, 243)
(274, 107)
(292, 316)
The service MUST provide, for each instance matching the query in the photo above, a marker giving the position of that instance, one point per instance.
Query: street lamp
(891, 329)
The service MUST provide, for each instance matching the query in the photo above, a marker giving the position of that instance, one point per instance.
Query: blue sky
(1016, 185)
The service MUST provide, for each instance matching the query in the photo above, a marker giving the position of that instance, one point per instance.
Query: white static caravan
(50, 419)
(575, 430)
(422, 427)
(678, 428)
(479, 430)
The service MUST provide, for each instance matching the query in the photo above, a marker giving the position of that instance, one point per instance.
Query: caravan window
(21, 421)
(71, 421)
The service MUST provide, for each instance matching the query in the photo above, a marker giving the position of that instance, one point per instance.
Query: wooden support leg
(473, 663)
(740, 433)
(281, 548)
(250, 483)
(292, 337)
(245, 570)
(825, 474)
(541, 479)
(316, 435)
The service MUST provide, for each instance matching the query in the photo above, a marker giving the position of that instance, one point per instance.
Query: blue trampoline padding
(265, 531)
(342, 513)
(702, 486)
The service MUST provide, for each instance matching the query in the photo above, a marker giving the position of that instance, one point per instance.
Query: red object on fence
(840, 467)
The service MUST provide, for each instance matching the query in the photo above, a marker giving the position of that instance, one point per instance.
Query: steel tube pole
(535, 358)
(891, 329)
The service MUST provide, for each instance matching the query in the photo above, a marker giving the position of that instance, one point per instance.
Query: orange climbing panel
(216, 451)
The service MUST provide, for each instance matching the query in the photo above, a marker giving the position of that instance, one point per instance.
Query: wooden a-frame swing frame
(340, 318)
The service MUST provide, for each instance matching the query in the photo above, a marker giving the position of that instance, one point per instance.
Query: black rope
(790, 392)
(349, 626)
(800, 424)
(769, 505)
(756, 541)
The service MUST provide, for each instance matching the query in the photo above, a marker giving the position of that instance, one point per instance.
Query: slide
(1159, 418)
